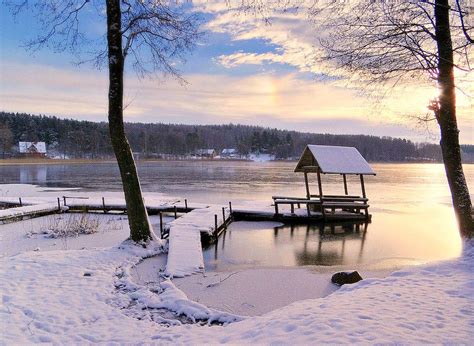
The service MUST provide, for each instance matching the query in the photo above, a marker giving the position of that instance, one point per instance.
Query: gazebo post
(320, 185)
(362, 185)
(345, 184)
(308, 195)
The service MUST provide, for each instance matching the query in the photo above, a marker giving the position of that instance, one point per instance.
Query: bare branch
(461, 18)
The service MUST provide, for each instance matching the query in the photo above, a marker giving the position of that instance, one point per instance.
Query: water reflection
(410, 205)
(290, 245)
(326, 253)
(33, 175)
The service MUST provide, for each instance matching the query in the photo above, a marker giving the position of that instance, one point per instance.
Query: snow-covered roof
(32, 147)
(333, 160)
(205, 151)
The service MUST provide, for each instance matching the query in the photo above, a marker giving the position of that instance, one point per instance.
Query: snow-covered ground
(93, 290)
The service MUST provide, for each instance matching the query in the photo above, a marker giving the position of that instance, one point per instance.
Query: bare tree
(387, 42)
(153, 33)
(6, 138)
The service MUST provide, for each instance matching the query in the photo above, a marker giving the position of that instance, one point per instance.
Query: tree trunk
(446, 116)
(140, 229)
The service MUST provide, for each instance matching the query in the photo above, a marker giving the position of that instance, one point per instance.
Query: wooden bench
(297, 201)
(344, 199)
(332, 202)
(352, 206)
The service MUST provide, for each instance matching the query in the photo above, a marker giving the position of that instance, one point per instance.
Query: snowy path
(185, 250)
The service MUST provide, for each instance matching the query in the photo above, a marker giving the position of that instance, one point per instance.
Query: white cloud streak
(263, 99)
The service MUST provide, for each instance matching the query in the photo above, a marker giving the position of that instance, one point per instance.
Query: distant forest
(86, 139)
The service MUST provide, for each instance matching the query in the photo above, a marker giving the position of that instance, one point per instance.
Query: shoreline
(46, 161)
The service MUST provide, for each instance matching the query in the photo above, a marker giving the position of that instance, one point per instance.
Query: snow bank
(173, 299)
(76, 297)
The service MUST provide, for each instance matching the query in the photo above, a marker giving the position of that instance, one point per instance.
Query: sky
(244, 70)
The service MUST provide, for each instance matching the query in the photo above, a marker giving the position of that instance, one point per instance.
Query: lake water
(412, 221)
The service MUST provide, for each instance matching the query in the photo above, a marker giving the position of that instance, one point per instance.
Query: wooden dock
(18, 213)
(186, 235)
(192, 227)
(298, 217)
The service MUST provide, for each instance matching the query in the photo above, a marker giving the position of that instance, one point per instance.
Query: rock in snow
(342, 278)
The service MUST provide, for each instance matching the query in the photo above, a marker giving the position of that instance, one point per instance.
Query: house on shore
(230, 153)
(32, 149)
(206, 153)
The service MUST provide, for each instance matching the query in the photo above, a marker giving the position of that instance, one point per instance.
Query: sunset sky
(244, 71)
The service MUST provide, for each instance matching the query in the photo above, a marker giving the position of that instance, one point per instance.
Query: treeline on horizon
(87, 139)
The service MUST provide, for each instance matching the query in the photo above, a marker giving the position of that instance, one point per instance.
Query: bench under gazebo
(334, 160)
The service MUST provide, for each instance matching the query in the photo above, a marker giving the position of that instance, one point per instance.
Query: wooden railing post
(320, 184)
(215, 224)
(308, 194)
(161, 224)
(362, 185)
(345, 184)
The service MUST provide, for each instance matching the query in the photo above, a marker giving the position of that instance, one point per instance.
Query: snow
(47, 298)
(334, 159)
(89, 293)
(261, 157)
(185, 249)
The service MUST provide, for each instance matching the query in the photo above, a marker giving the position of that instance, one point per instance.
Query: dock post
(161, 224)
(320, 184)
(223, 215)
(186, 204)
(21, 204)
(362, 185)
(59, 204)
(215, 225)
(345, 184)
(64, 199)
(175, 212)
(230, 207)
(103, 205)
(308, 194)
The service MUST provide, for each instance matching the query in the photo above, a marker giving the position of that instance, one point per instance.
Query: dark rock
(342, 278)
(87, 274)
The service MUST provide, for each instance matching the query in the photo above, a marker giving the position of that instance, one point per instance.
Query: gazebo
(324, 159)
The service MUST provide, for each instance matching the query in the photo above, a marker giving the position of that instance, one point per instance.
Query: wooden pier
(18, 212)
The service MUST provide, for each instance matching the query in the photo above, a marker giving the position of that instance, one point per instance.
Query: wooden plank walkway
(117, 205)
(30, 211)
(185, 247)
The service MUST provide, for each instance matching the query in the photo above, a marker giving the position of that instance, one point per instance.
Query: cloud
(292, 40)
(290, 31)
(266, 99)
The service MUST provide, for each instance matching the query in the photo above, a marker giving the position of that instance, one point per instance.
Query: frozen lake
(412, 219)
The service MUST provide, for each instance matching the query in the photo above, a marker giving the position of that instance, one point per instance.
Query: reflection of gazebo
(335, 160)
(334, 236)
